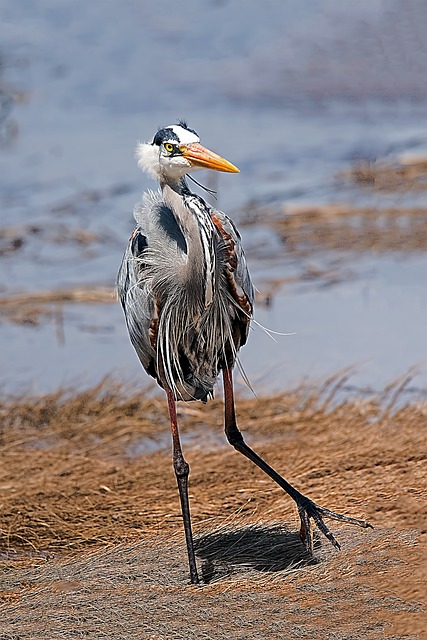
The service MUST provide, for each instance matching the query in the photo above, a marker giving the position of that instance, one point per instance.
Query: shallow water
(292, 93)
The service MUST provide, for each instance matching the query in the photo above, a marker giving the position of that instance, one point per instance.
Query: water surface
(292, 93)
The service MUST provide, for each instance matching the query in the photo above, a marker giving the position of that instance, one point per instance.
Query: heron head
(176, 150)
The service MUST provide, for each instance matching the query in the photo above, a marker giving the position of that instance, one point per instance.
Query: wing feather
(137, 300)
(236, 269)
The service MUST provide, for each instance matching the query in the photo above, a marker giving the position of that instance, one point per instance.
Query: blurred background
(322, 106)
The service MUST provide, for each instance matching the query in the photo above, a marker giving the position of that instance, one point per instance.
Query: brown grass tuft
(91, 533)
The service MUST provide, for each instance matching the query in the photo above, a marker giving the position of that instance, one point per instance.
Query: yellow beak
(199, 156)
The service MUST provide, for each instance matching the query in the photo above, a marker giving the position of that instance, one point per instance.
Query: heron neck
(192, 216)
(175, 195)
(178, 185)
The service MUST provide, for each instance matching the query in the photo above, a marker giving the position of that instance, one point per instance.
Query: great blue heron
(187, 297)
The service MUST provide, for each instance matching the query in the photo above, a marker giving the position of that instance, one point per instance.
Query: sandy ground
(91, 533)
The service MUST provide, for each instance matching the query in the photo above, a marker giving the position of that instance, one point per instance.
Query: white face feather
(185, 136)
(147, 156)
(153, 158)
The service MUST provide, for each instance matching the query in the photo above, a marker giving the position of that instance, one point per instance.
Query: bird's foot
(308, 509)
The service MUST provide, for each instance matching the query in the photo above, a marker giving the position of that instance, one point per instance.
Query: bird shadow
(264, 549)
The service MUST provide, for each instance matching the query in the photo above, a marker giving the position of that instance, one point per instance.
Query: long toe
(341, 518)
(308, 509)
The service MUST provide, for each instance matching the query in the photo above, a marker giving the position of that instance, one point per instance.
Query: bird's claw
(308, 509)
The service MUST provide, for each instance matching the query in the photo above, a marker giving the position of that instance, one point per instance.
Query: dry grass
(343, 227)
(92, 538)
(409, 173)
(32, 308)
(138, 591)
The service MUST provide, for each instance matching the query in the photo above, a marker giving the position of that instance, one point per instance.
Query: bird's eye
(169, 147)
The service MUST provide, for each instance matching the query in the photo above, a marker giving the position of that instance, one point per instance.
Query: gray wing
(237, 272)
(156, 247)
(137, 300)
(236, 259)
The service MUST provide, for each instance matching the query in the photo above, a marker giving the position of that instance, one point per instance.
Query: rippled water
(291, 92)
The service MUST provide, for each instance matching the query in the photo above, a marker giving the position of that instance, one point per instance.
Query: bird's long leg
(306, 508)
(182, 469)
